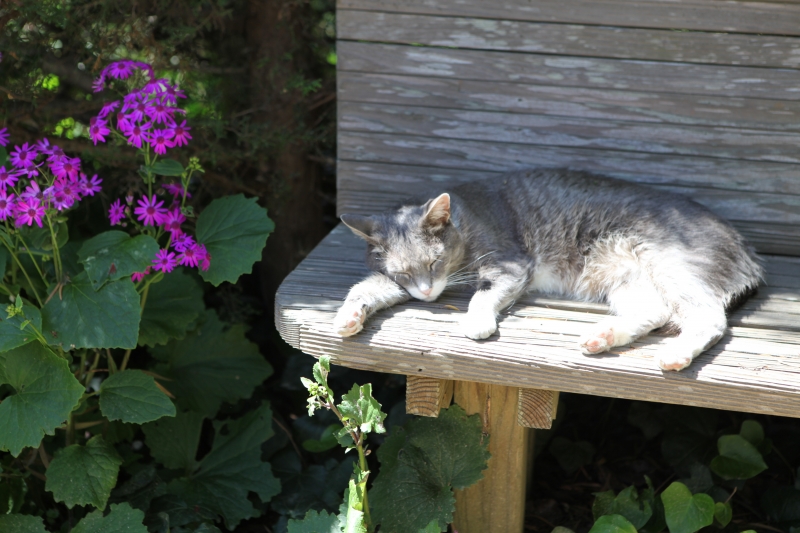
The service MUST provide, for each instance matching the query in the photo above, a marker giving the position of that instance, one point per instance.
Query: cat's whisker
(473, 262)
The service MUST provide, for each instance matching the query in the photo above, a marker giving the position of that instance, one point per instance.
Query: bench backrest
(700, 97)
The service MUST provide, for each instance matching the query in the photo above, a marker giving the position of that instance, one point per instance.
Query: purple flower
(150, 211)
(23, 156)
(130, 100)
(98, 130)
(171, 93)
(160, 113)
(192, 255)
(61, 200)
(164, 261)
(33, 192)
(87, 187)
(120, 70)
(124, 122)
(136, 277)
(66, 167)
(108, 108)
(182, 242)
(8, 178)
(172, 221)
(28, 212)
(136, 134)
(116, 213)
(99, 84)
(56, 153)
(43, 145)
(203, 256)
(4, 137)
(160, 141)
(138, 111)
(181, 134)
(6, 205)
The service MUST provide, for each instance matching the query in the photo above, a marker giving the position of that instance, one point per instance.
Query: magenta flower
(6, 205)
(130, 100)
(61, 200)
(108, 108)
(164, 261)
(4, 137)
(136, 134)
(181, 134)
(43, 145)
(56, 153)
(160, 141)
(172, 221)
(182, 242)
(33, 192)
(170, 93)
(28, 212)
(138, 111)
(203, 256)
(150, 211)
(190, 256)
(66, 167)
(99, 84)
(136, 277)
(23, 156)
(8, 178)
(120, 70)
(116, 213)
(160, 113)
(87, 187)
(124, 122)
(98, 131)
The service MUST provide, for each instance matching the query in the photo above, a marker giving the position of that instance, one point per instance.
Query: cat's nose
(426, 292)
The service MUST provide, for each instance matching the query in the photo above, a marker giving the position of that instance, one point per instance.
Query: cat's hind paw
(599, 341)
(674, 361)
(478, 326)
(350, 319)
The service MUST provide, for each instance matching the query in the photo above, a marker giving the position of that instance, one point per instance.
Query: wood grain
(536, 408)
(496, 504)
(570, 39)
(426, 396)
(776, 18)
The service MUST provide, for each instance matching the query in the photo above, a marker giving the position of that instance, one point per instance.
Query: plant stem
(33, 259)
(24, 272)
(56, 254)
(362, 464)
(125, 359)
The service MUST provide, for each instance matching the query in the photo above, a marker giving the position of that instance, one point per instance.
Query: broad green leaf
(234, 230)
(212, 365)
(180, 513)
(84, 475)
(122, 519)
(173, 441)
(351, 520)
(141, 488)
(81, 317)
(752, 432)
(737, 459)
(3, 156)
(114, 255)
(782, 505)
(612, 523)
(315, 522)
(12, 494)
(419, 465)
(325, 442)
(700, 480)
(232, 469)
(11, 336)
(167, 167)
(21, 523)
(635, 509)
(313, 487)
(571, 455)
(173, 304)
(602, 503)
(690, 436)
(45, 394)
(686, 513)
(359, 408)
(723, 513)
(433, 527)
(132, 396)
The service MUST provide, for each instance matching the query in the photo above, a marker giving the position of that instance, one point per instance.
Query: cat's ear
(437, 212)
(360, 225)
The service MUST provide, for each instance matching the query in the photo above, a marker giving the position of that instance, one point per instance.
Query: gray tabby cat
(656, 258)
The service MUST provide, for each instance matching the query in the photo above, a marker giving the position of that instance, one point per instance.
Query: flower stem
(33, 259)
(56, 253)
(22, 268)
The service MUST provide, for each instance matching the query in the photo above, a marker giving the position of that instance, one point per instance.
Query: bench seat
(754, 368)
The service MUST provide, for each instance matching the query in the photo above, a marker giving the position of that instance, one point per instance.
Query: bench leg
(427, 396)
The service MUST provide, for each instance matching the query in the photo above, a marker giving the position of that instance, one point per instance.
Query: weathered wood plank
(581, 102)
(536, 408)
(570, 39)
(722, 142)
(776, 18)
(426, 396)
(644, 76)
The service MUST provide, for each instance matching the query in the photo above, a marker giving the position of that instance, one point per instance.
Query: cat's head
(417, 246)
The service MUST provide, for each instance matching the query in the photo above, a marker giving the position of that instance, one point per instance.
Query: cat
(657, 258)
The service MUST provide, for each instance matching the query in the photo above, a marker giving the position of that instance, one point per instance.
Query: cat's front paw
(674, 360)
(600, 340)
(478, 325)
(350, 319)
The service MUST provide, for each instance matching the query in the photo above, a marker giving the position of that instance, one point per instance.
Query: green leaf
(325, 442)
(3, 156)
(700, 480)
(433, 527)
(84, 475)
(4, 257)
(114, 255)
(571, 455)
(690, 436)
(133, 396)
(21, 523)
(782, 505)
(737, 459)
(173, 305)
(642, 415)
(173, 441)
(686, 513)
(602, 503)
(315, 522)
(233, 468)
(359, 408)
(628, 504)
(420, 464)
(234, 230)
(612, 523)
(317, 486)
(167, 167)
(11, 336)
(723, 513)
(752, 432)
(122, 519)
(46, 392)
(83, 318)
(12, 494)
(211, 366)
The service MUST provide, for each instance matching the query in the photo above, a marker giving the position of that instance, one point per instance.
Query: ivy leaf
(433, 527)
(233, 468)
(84, 475)
(315, 522)
(234, 230)
(11, 336)
(612, 523)
(752, 432)
(737, 459)
(690, 436)
(782, 505)
(84, 318)
(419, 465)
(686, 513)
(628, 504)
(360, 409)
(700, 480)
(723, 513)
(173, 304)
(132, 396)
(167, 167)
(173, 441)
(211, 366)
(46, 393)
(21, 523)
(602, 503)
(122, 519)
(114, 255)
(571, 455)
(325, 442)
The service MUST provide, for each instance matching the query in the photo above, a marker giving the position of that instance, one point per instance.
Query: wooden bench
(700, 97)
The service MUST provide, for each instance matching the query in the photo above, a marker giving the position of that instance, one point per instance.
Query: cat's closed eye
(400, 277)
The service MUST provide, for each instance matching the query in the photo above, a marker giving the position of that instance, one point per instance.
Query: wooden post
(427, 396)
(496, 504)
(537, 408)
